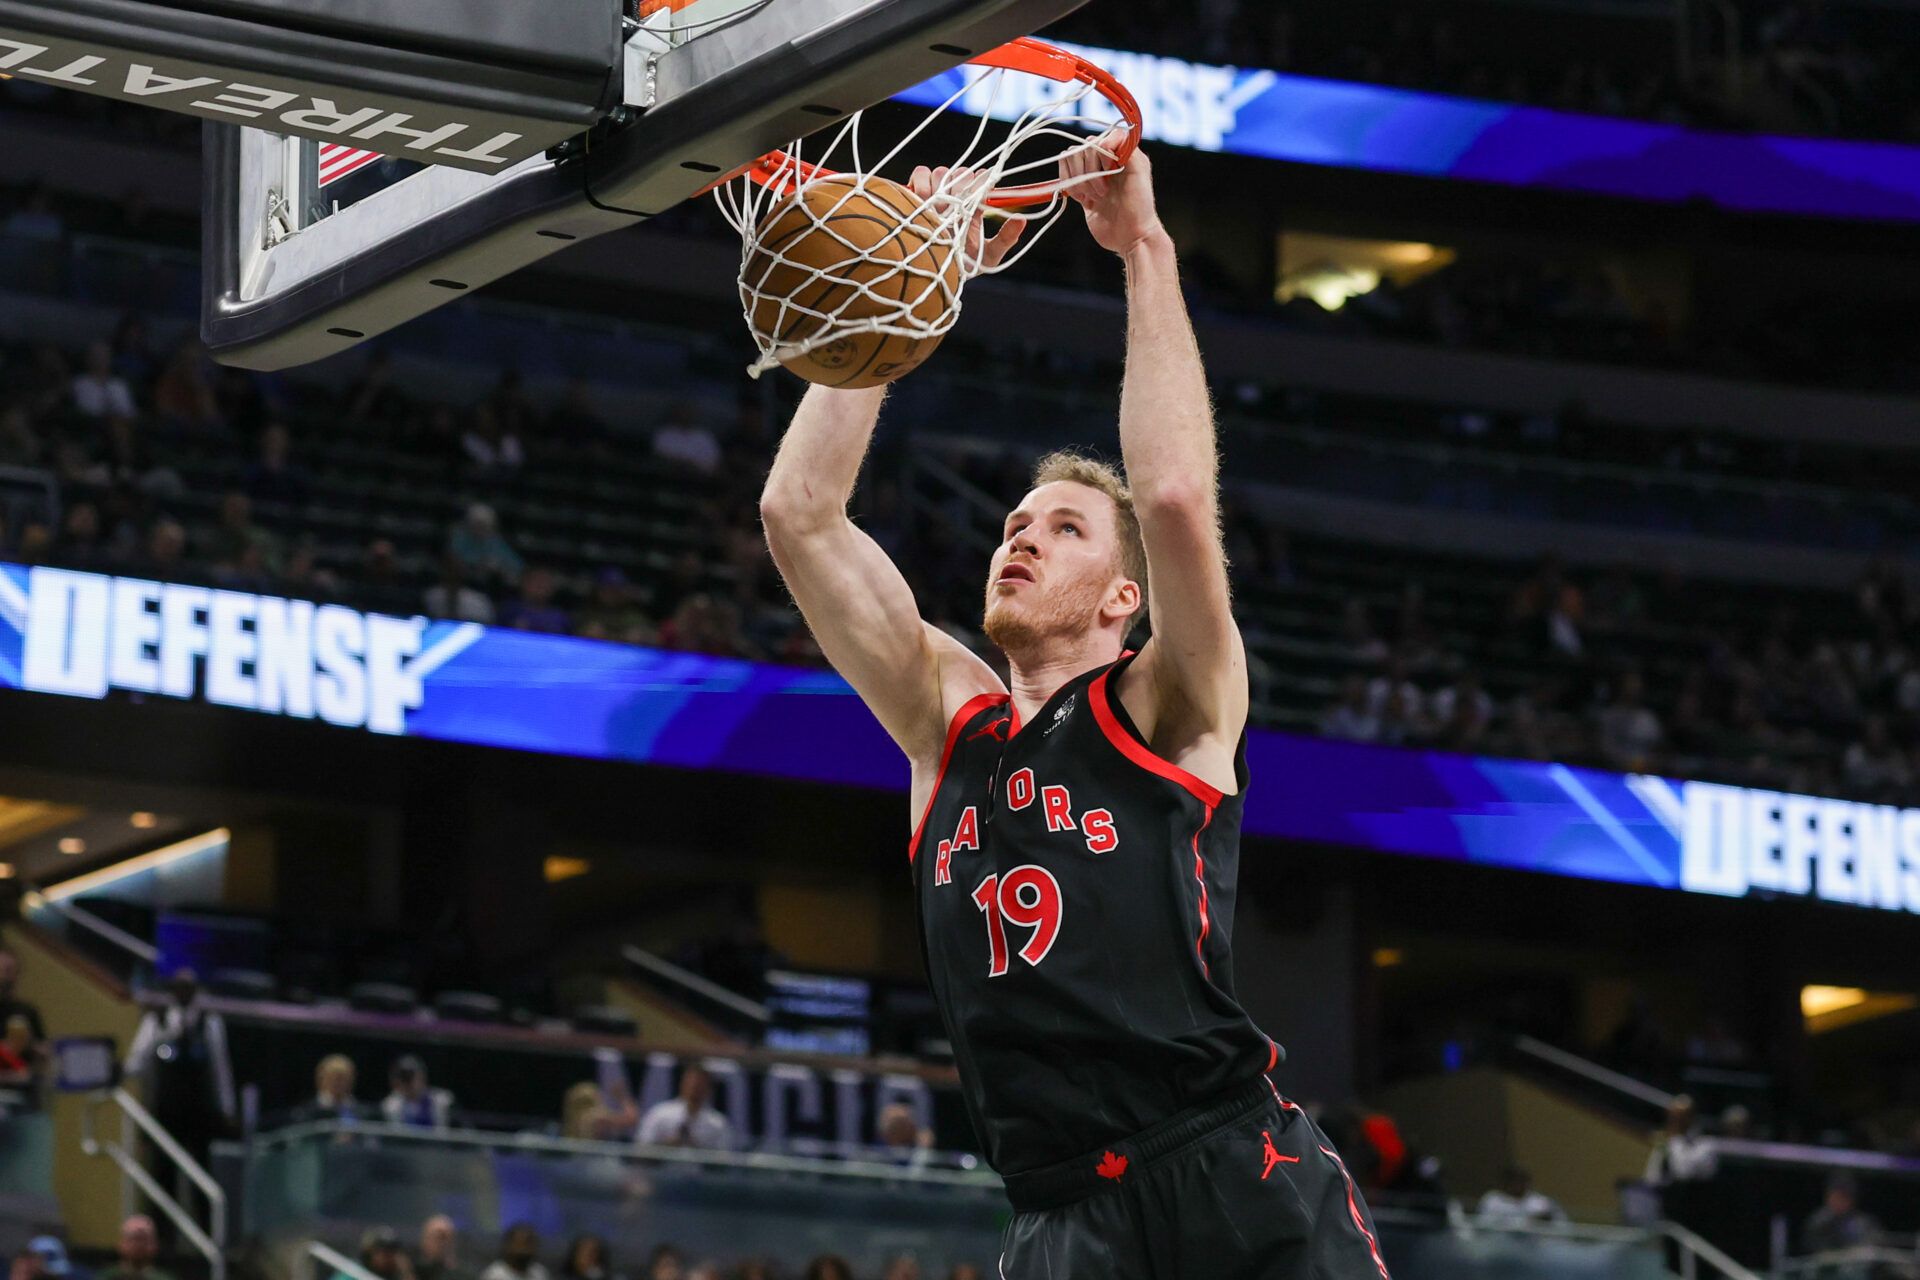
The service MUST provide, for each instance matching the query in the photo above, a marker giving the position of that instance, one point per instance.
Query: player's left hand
(1120, 210)
(982, 253)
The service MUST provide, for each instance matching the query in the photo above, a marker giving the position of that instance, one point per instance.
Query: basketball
(841, 251)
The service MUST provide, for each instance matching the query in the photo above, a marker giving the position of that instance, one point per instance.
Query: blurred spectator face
(19, 1035)
(964, 1271)
(481, 521)
(36, 542)
(1680, 1115)
(437, 1240)
(334, 1077)
(589, 1255)
(27, 1265)
(904, 1267)
(696, 1088)
(139, 1243)
(380, 559)
(83, 522)
(409, 1079)
(897, 1128)
(520, 1247)
(536, 586)
(167, 543)
(828, 1267)
(183, 986)
(236, 511)
(1840, 1201)
(666, 1264)
(274, 444)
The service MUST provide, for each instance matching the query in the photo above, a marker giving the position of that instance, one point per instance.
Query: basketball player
(1076, 852)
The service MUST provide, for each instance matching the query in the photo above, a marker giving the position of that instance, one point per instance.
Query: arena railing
(209, 1241)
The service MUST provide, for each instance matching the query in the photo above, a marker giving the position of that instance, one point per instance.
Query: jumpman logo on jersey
(996, 729)
(1273, 1157)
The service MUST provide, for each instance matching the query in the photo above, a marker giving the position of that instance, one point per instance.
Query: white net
(906, 283)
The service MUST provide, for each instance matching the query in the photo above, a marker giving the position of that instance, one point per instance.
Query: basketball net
(870, 282)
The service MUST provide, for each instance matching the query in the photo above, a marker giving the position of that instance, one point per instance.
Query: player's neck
(1035, 677)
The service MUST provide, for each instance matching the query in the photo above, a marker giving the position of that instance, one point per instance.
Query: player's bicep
(862, 614)
(1198, 658)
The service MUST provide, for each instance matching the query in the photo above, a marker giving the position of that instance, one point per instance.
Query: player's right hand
(980, 253)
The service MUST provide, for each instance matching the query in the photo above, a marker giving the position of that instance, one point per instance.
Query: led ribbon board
(87, 635)
(1251, 112)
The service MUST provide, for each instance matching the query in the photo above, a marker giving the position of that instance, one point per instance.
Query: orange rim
(780, 172)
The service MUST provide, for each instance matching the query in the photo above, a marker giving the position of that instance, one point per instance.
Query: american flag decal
(336, 161)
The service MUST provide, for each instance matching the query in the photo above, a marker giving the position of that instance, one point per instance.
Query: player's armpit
(863, 615)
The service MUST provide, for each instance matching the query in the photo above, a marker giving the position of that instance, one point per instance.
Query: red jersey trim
(1130, 747)
(971, 708)
(1200, 877)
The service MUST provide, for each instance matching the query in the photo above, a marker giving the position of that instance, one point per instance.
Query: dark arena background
(432, 847)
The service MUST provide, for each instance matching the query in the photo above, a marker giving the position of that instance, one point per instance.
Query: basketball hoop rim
(781, 172)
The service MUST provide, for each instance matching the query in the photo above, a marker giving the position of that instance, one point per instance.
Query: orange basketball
(818, 255)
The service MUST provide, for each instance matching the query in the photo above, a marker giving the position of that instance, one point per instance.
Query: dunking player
(1078, 839)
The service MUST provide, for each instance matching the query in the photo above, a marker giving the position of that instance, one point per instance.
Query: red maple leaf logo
(1111, 1166)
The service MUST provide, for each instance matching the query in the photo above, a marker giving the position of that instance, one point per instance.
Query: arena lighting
(1816, 1000)
(1388, 957)
(178, 852)
(143, 821)
(71, 845)
(558, 868)
(6, 873)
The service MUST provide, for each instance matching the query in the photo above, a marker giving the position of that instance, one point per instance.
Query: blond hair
(1130, 550)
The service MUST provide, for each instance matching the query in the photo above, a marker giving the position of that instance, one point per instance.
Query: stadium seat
(605, 1020)
(242, 984)
(466, 1006)
(382, 997)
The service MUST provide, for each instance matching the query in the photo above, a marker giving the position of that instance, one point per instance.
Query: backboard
(315, 243)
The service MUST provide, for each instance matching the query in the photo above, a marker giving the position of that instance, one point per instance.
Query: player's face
(1055, 566)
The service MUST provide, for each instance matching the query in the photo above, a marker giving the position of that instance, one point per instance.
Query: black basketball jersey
(1075, 896)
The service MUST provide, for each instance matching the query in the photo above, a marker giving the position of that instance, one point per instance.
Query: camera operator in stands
(1839, 1224)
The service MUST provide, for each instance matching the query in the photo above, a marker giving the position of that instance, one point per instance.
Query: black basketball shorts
(1245, 1189)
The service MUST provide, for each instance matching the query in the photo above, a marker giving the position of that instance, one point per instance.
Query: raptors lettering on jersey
(1076, 897)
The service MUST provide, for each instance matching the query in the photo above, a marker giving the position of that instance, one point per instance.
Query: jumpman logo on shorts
(1273, 1157)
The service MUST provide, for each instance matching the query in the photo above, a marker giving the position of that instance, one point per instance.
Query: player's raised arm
(1197, 660)
(853, 597)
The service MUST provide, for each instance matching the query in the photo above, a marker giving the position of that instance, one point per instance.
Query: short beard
(1026, 631)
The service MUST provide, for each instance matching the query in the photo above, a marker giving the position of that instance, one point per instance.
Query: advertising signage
(87, 635)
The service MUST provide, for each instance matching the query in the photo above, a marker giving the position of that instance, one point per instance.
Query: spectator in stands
(681, 439)
(574, 421)
(380, 1253)
(54, 1260)
(534, 609)
(139, 1245)
(272, 476)
(965, 1271)
(587, 1260)
(611, 612)
(99, 392)
(333, 1099)
(1628, 731)
(239, 545)
(1839, 1223)
(27, 1265)
(828, 1266)
(1551, 609)
(413, 1101)
(903, 1139)
(902, 1266)
(690, 1119)
(1874, 766)
(1514, 1203)
(439, 1255)
(1681, 1152)
(481, 549)
(182, 397)
(665, 1263)
(452, 597)
(11, 1005)
(1462, 714)
(1361, 642)
(19, 443)
(166, 550)
(493, 452)
(20, 1062)
(180, 1050)
(519, 1256)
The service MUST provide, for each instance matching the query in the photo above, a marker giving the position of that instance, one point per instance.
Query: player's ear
(1124, 601)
